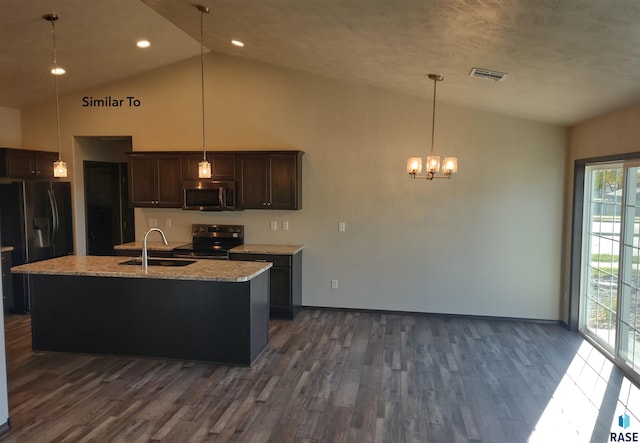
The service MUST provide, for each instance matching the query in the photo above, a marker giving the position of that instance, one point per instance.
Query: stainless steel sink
(159, 262)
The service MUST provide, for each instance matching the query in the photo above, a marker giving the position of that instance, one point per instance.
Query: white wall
(4, 392)
(10, 136)
(10, 127)
(487, 242)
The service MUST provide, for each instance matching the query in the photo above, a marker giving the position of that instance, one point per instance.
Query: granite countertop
(6, 248)
(154, 245)
(267, 249)
(109, 266)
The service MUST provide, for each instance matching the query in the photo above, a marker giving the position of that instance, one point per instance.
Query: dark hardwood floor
(330, 376)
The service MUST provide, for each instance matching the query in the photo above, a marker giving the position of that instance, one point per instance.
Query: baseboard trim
(440, 315)
(5, 427)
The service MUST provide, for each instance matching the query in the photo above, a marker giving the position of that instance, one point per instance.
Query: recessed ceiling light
(58, 70)
(143, 44)
(237, 43)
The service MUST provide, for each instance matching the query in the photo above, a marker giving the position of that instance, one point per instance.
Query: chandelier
(449, 165)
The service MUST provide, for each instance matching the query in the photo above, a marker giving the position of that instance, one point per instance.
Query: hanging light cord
(433, 114)
(55, 78)
(202, 11)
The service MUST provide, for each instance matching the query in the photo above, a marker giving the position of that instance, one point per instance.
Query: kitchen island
(210, 310)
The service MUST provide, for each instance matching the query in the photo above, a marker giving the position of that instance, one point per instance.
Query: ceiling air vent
(496, 76)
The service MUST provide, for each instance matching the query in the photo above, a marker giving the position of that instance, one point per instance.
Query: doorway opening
(108, 220)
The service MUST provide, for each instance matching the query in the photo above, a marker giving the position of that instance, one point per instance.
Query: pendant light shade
(204, 167)
(59, 166)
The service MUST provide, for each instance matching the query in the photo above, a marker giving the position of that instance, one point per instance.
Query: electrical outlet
(334, 284)
(274, 225)
(153, 222)
(285, 225)
(342, 227)
(167, 223)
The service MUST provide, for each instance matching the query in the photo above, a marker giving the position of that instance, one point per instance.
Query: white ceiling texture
(566, 60)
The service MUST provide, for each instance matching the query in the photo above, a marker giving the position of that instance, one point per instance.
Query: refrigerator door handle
(54, 213)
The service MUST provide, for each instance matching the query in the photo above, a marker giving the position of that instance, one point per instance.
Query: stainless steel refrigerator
(35, 218)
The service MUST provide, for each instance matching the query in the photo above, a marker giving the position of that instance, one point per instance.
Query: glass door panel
(601, 253)
(629, 334)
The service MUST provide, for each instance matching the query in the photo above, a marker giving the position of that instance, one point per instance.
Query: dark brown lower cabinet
(286, 282)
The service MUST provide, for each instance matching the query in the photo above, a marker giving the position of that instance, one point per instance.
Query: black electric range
(212, 242)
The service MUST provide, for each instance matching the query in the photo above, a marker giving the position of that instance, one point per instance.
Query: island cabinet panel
(7, 281)
(223, 166)
(270, 180)
(285, 299)
(24, 163)
(155, 180)
(223, 322)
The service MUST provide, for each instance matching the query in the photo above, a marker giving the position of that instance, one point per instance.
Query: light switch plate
(285, 225)
(153, 222)
(274, 225)
(342, 226)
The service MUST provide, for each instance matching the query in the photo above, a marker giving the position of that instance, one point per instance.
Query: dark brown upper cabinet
(223, 166)
(25, 163)
(155, 180)
(270, 180)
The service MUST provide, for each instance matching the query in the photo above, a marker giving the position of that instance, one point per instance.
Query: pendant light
(450, 164)
(204, 167)
(59, 166)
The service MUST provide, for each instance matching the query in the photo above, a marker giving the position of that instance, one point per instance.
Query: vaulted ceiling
(567, 60)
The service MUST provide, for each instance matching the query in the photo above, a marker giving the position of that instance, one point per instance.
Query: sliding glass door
(629, 322)
(610, 277)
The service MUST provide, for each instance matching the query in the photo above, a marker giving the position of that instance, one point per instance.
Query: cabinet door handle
(260, 260)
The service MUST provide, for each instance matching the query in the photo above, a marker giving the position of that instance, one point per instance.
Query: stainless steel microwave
(209, 195)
